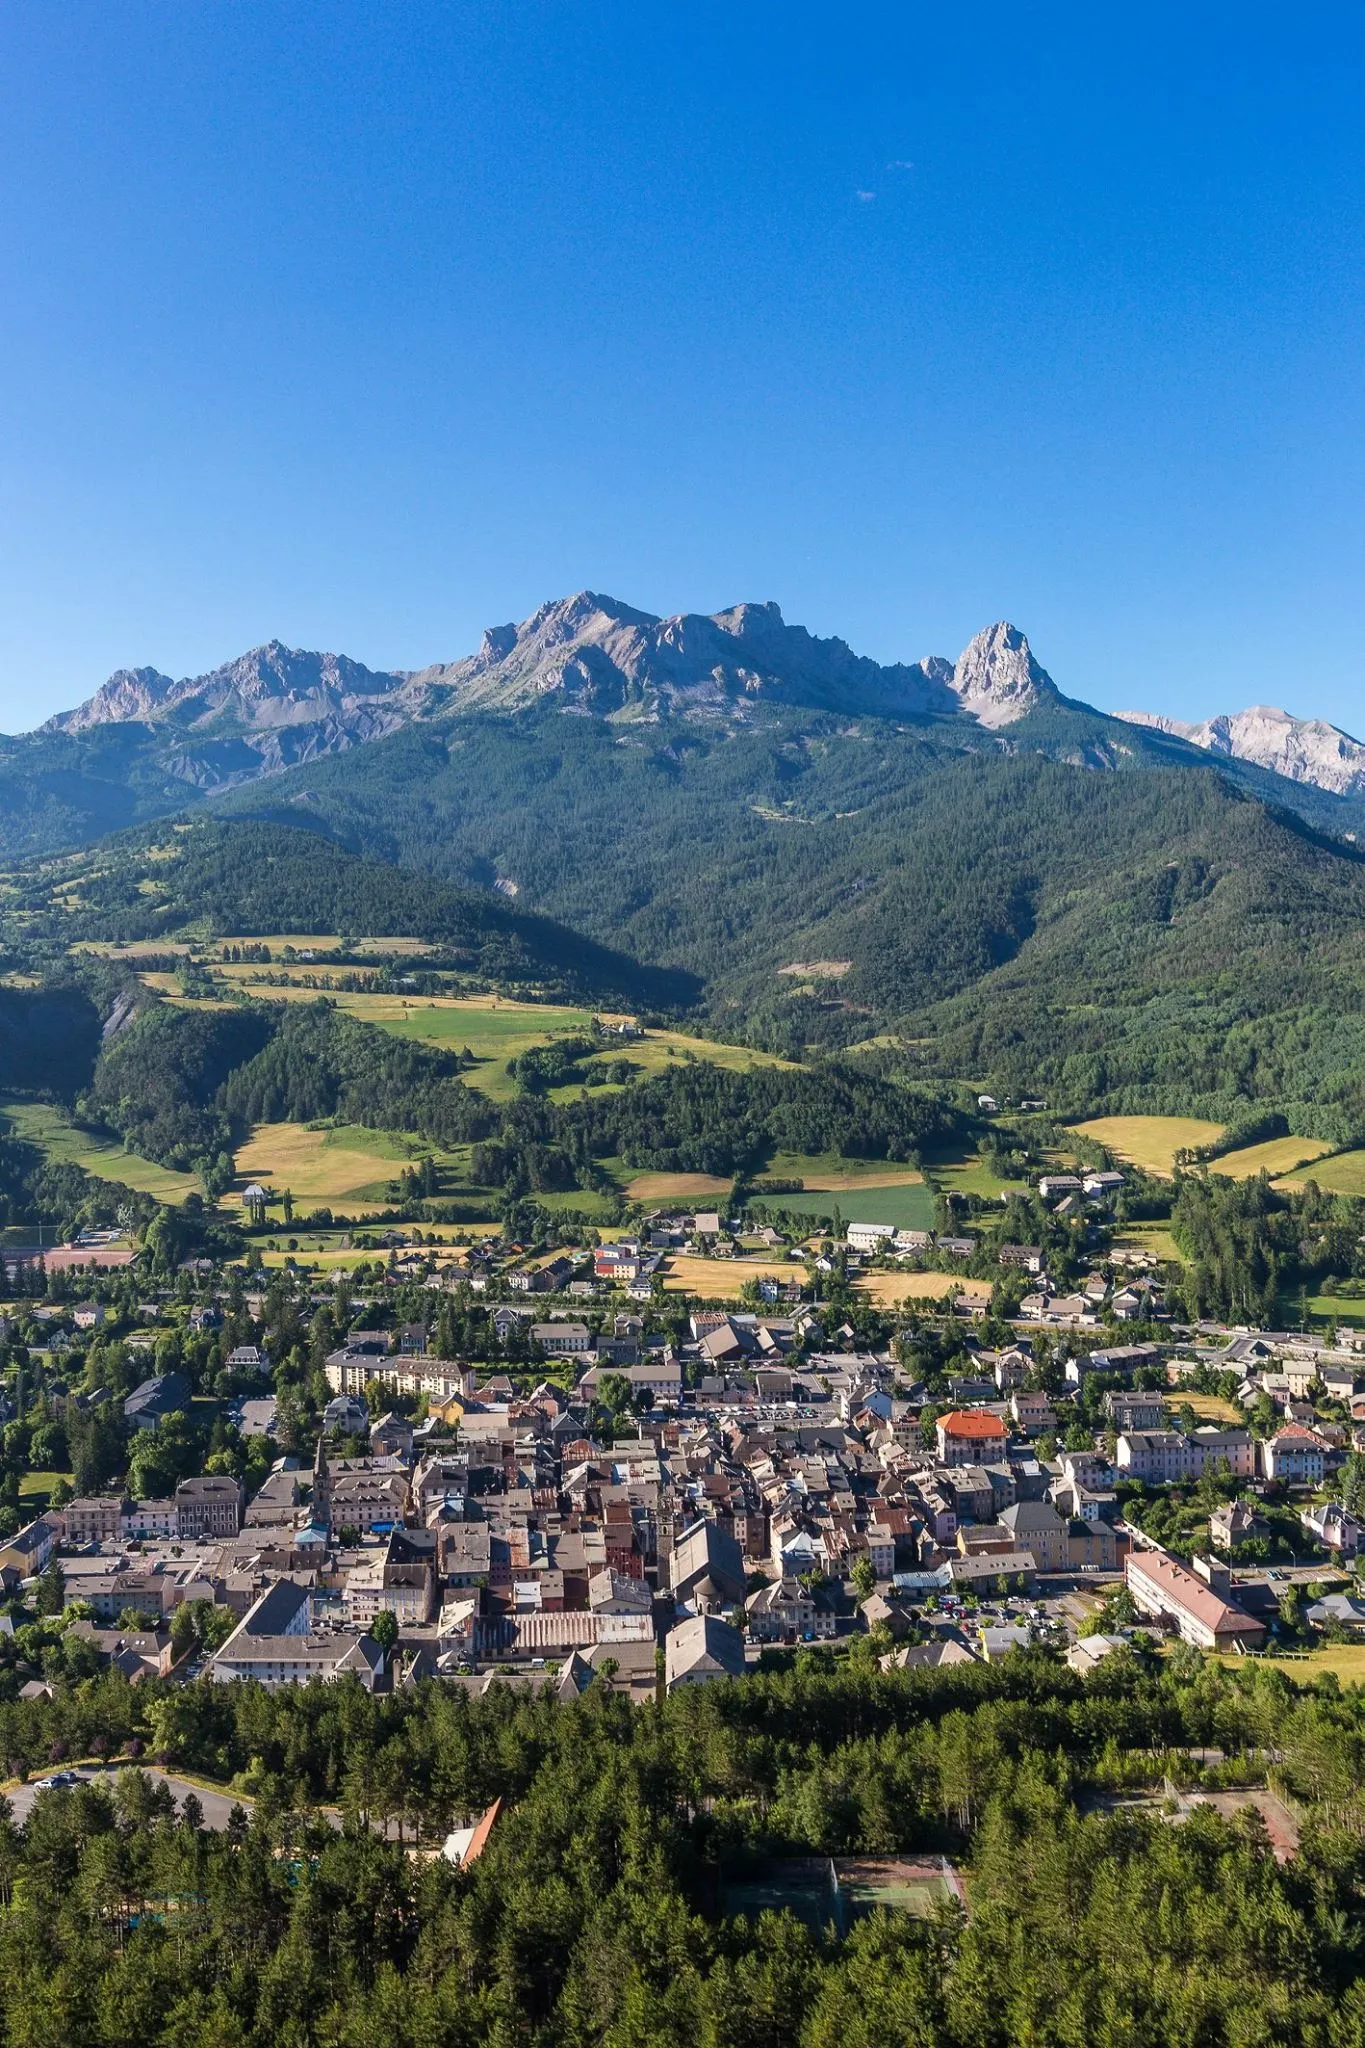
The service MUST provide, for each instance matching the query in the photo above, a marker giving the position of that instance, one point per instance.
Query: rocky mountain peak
(996, 678)
(1302, 749)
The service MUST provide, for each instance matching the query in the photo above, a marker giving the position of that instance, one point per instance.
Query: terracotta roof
(971, 1422)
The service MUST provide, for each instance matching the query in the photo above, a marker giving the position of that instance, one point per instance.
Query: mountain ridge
(1299, 749)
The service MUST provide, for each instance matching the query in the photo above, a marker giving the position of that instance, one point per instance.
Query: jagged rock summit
(608, 659)
(1302, 749)
(590, 653)
(268, 687)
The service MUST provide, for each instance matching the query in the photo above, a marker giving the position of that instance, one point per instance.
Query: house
(701, 1649)
(1028, 1258)
(1129, 1410)
(466, 1845)
(97, 1519)
(346, 1413)
(1235, 1523)
(1197, 1602)
(28, 1550)
(168, 1393)
(1334, 1527)
(869, 1237)
(1053, 1186)
(88, 1315)
(965, 1435)
(1032, 1412)
(784, 1612)
(248, 1358)
(1295, 1455)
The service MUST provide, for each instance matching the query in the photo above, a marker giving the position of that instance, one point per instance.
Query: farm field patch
(722, 1279)
(1150, 1142)
(906, 1204)
(321, 1164)
(1275, 1156)
(889, 1290)
(1343, 1175)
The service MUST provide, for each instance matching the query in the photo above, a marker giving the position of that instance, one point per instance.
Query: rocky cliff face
(606, 658)
(277, 706)
(272, 686)
(1302, 749)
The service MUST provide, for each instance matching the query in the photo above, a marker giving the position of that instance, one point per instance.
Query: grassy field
(1334, 1308)
(1345, 1660)
(889, 1290)
(348, 1165)
(1344, 1175)
(1208, 1407)
(61, 1142)
(35, 1489)
(828, 1171)
(1275, 1156)
(722, 1279)
(1150, 1142)
(675, 1187)
(1154, 1238)
(970, 1175)
(907, 1204)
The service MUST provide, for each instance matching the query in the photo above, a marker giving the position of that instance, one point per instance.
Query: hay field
(1208, 1407)
(1150, 1142)
(889, 1290)
(321, 1165)
(907, 1204)
(722, 1279)
(1343, 1175)
(827, 1172)
(675, 1187)
(1275, 1156)
(59, 1141)
(970, 1175)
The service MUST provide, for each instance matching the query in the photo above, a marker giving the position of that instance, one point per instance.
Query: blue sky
(369, 325)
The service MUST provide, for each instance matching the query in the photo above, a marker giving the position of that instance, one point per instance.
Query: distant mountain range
(1300, 749)
(1013, 887)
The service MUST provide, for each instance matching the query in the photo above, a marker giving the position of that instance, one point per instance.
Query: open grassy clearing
(722, 1279)
(889, 1290)
(907, 1204)
(827, 1170)
(675, 1187)
(1150, 1142)
(1346, 1661)
(1275, 1156)
(1208, 1407)
(323, 1165)
(35, 1488)
(1343, 1175)
(970, 1175)
(1332, 1308)
(1153, 1238)
(59, 1140)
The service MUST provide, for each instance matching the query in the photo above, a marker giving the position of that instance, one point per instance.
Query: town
(497, 1467)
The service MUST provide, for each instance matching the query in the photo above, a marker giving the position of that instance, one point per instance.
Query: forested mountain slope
(249, 877)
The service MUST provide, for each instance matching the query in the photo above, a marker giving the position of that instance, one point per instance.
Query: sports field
(1150, 1142)
(64, 1144)
(1275, 1156)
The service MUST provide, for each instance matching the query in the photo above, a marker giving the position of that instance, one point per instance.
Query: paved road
(217, 1805)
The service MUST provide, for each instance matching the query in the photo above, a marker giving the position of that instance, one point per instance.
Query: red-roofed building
(467, 1844)
(1167, 1590)
(970, 1436)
